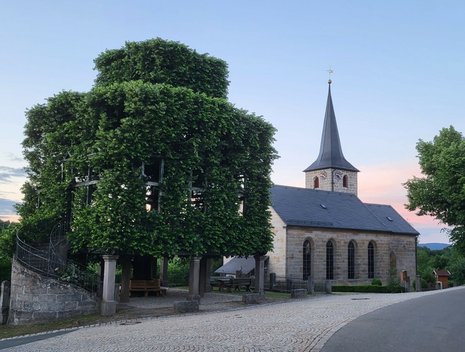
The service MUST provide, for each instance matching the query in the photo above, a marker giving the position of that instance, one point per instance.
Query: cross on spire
(330, 72)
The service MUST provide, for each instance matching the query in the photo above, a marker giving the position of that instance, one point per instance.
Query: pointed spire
(331, 155)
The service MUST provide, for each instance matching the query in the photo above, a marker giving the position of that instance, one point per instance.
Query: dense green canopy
(153, 160)
(441, 192)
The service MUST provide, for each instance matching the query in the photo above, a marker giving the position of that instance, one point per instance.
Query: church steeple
(330, 165)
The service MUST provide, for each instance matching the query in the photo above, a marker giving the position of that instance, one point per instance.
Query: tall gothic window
(329, 260)
(307, 259)
(351, 260)
(316, 182)
(345, 181)
(371, 260)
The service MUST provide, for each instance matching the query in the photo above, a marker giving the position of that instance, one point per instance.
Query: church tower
(331, 171)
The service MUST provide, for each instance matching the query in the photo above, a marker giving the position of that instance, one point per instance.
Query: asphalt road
(429, 323)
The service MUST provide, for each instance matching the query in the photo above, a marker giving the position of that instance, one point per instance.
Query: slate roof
(441, 272)
(314, 208)
(330, 148)
(243, 264)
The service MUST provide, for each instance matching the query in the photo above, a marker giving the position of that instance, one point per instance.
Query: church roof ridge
(330, 155)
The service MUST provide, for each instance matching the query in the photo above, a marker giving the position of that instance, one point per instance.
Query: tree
(441, 192)
(153, 160)
(7, 236)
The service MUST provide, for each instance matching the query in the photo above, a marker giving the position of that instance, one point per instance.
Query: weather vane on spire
(330, 72)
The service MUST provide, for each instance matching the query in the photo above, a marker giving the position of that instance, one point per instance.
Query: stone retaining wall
(35, 298)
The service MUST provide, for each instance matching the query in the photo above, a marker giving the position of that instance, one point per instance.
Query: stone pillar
(205, 273)
(125, 279)
(418, 283)
(5, 301)
(164, 271)
(194, 279)
(108, 297)
(260, 274)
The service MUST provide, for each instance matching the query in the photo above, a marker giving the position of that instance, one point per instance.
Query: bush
(7, 241)
(5, 272)
(178, 272)
(376, 282)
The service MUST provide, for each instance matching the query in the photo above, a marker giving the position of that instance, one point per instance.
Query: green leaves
(441, 193)
(153, 100)
(159, 61)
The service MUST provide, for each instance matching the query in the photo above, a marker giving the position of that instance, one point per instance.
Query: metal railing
(48, 262)
(41, 261)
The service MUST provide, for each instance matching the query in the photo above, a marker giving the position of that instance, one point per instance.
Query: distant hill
(434, 246)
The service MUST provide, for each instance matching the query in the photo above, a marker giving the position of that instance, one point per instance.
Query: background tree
(448, 258)
(7, 235)
(156, 105)
(441, 192)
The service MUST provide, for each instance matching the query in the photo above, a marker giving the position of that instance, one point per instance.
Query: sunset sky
(399, 75)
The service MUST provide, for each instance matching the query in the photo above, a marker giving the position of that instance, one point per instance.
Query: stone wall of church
(389, 250)
(326, 177)
(277, 261)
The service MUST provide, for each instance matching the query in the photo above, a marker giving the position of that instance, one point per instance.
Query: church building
(325, 232)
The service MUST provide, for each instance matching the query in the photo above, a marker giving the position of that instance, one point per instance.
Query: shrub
(376, 282)
(178, 272)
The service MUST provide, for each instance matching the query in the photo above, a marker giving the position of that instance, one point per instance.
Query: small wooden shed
(442, 278)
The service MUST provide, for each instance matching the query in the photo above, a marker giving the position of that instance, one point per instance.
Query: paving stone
(297, 325)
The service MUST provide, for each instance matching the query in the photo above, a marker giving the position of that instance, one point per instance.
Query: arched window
(329, 260)
(371, 260)
(316, 182)
(345, 181)
(307, 259)
(351, 260)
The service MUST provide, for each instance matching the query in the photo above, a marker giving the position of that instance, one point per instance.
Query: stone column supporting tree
(194, 279)
(108, 296)
(260, 274)
(205, 273)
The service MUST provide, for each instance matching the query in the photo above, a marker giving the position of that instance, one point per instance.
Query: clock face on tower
(323, 174)
(338, 174)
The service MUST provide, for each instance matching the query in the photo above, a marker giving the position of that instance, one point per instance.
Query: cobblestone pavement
(298, 325)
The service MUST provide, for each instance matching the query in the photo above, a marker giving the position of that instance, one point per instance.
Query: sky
(398, 75)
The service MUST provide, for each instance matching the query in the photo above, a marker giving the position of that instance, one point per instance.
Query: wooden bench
(147, 286)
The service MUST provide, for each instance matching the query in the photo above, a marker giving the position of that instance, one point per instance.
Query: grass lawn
(19, 330)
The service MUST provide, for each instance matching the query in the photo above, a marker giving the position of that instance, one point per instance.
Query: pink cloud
(383, 184)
